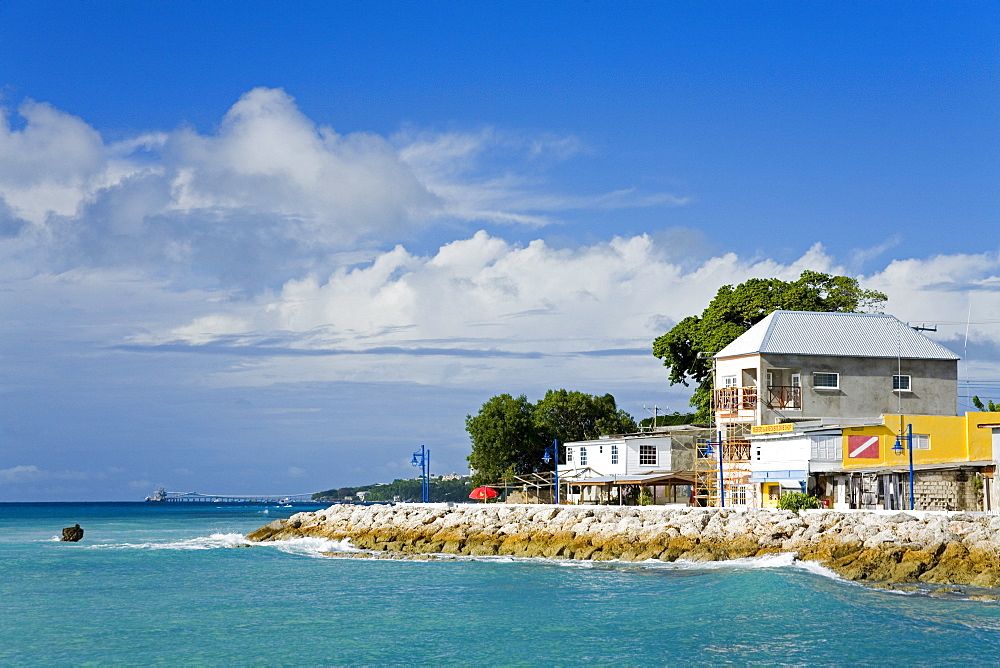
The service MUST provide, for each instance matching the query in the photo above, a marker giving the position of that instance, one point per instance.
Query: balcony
(733, 450)
(731, 400)
(784, 397)
(736, 450)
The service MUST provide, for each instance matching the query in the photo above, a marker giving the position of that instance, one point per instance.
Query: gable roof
(840, 334)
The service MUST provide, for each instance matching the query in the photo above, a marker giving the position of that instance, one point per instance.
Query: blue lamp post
(552, 455)
(422, 458)
(709, 451)
(898, 449)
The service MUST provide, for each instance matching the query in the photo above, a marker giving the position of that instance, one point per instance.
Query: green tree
(504, 439)
(688, 347)
(575, 416)
(509, 435)
(989, 406)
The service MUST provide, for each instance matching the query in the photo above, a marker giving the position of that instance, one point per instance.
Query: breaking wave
(314, 547)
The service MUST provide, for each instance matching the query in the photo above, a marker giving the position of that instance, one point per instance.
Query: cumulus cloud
(268, 195)
(482, 309)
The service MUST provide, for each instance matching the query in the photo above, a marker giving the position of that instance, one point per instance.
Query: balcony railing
(733, 450)
(734, 399)
(736, 451)
(784, 396)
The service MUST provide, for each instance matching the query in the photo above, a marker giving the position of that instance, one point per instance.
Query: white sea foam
(216, 540)
(302, 546)
(780, 560)
(311, 547)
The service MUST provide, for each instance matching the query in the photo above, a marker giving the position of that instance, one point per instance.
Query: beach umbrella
(483, 493)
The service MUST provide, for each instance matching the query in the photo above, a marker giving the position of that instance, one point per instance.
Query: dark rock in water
(72, 534)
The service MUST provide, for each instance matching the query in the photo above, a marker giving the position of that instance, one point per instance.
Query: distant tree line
(669, 420)
(401, 490)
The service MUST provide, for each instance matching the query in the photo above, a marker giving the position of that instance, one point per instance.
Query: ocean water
(168, 584)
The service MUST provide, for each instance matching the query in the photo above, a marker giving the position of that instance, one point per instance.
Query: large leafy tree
(509, 435)
(687, 348)
(575, 416)
(504, 439)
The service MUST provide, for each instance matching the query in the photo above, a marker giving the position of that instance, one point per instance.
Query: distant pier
(163, 496)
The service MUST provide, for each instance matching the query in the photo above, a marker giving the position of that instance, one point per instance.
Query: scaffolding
(722, 466)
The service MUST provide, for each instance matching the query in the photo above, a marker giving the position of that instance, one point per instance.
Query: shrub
(797, 501)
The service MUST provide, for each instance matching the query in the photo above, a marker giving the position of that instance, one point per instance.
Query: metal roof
(840, 334)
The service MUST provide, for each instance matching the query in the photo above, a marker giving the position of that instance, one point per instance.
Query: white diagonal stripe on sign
(863, 446)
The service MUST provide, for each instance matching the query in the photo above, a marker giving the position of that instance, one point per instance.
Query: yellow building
(952, 463)
(866, 463)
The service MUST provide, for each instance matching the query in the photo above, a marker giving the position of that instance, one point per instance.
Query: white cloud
(269, 195)
(51, 164)
(481, 310)
(31, 473)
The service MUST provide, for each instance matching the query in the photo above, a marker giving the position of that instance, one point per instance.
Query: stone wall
(875, 547)
(946, 490)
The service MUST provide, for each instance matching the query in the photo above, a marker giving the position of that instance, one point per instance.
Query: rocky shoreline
(870, 547)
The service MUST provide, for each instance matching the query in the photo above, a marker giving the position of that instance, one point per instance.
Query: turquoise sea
(167, 584)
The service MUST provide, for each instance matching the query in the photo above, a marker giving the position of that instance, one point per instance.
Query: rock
(72, 534)
(893, 549)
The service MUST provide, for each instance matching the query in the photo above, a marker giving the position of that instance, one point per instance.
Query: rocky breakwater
(960, 549)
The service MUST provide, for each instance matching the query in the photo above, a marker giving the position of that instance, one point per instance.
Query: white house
(656, 467)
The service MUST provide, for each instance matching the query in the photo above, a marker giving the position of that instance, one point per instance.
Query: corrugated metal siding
(840, 334)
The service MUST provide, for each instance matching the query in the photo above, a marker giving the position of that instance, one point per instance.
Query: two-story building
(798, 378)
(655, 466)
(794, 366)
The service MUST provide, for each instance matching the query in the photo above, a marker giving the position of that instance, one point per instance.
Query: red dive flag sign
(860, 446)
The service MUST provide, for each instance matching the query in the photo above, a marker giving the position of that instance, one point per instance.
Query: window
(614, 454)
(827, 447)
(583, 456)
(921, 441)
(569, 455)
(729, 381)
(796, 380)
(738, 495)
(826, 381)
(647, 455)
(900, 383)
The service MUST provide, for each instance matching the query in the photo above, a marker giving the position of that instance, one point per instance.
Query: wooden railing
(735, 451)
(733, 399)
(784, 396)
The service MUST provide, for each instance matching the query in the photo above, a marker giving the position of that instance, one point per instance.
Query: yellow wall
(771, 493)
(952, 439)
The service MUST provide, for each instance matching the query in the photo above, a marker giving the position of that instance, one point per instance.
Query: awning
(664, 478)
(792, 477)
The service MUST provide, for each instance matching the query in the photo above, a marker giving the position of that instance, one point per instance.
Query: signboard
(861, 446)
(772, 428)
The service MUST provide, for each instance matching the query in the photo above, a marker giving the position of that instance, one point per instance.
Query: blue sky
(275, 247)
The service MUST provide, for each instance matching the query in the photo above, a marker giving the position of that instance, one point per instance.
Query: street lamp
(898, 449)
(422, 458)
(551, 454)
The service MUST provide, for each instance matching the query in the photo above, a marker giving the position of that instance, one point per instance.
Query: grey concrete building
(795, 366)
